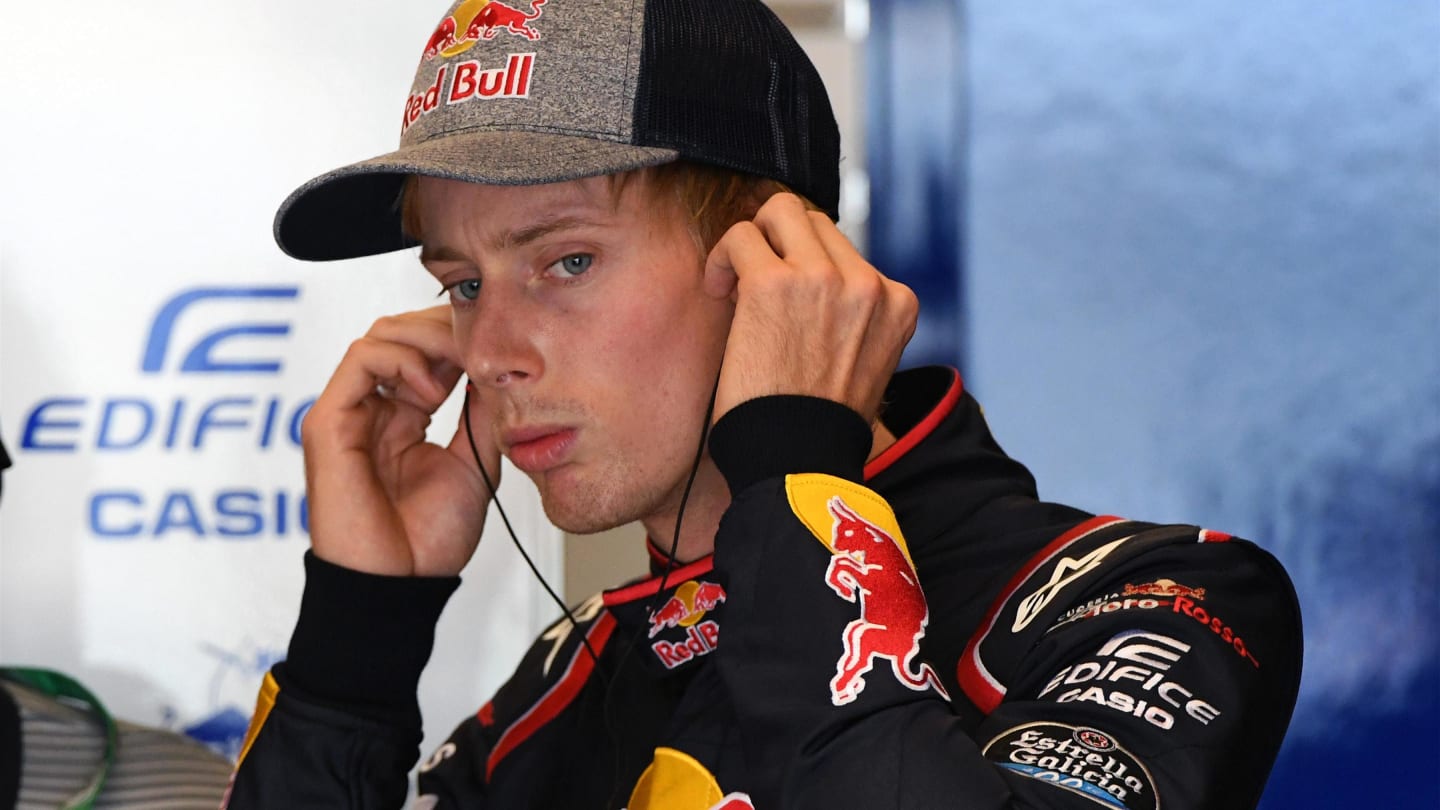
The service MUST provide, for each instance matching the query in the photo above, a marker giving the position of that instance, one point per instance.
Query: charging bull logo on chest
(871, 567)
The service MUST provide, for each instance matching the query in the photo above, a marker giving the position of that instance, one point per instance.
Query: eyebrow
(512, 239)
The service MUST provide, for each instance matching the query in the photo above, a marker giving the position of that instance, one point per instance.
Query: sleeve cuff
(774, 436)
(362, 640)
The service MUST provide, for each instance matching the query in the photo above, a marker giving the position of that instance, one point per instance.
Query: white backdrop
(157, 350)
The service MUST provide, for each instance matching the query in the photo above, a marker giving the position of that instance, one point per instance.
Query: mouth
(539, 448)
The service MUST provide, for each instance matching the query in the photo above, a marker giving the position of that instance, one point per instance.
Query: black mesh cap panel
(723, 82)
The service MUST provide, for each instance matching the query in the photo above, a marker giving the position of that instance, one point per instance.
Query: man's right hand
(382, 499)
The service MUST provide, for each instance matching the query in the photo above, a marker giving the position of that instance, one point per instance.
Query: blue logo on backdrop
(241, 420)
(199, 359)
(233, 684)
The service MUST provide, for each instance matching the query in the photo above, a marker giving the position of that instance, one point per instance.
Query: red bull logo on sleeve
(1164, 587)
(871, 567)
(476, 20)
(686, 610)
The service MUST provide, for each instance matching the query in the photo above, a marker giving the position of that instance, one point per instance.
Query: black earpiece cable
(654, 599)
(495, 499)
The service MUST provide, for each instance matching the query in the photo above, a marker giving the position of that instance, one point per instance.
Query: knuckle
(358, 348)
(909, 301)
(735, 233)
(873, 284)
(308, 425)
(385, 324)
(907, 306)
(780, 203)
(821, 271)
(867, 288)
(313, 427)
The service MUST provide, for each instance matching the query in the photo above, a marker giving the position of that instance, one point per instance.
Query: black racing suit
(1045, 657)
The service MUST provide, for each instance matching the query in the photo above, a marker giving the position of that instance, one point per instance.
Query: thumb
(720, 279)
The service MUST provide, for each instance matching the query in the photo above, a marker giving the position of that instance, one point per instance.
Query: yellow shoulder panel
(675, 781)
(826, 504)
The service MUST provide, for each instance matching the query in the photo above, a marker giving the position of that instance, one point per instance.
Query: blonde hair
(712, 198)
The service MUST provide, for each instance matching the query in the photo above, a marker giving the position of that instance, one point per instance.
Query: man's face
(581, 317)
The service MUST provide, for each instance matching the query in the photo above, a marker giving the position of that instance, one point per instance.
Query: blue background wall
(1201, 282)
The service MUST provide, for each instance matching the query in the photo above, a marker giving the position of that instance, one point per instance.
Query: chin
(582, 524)
(585, 513)
(586, 501)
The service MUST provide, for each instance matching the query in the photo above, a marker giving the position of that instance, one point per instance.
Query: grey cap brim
(355, 210)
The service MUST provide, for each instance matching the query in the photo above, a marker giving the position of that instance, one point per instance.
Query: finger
(837, 245)
(398, 393)
(787, 227)
(404, 369)
(890, 296)
(428, 330)
(742, 252)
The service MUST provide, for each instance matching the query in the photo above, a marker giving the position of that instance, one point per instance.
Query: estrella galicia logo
(200, 359)
(196, 393)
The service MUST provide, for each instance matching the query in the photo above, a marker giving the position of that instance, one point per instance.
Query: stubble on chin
(588, 507)
(614, 497)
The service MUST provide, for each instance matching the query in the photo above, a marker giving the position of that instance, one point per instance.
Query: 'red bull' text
(468, 81)
(700, 639)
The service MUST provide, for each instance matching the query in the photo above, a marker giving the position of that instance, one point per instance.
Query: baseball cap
(542, 91)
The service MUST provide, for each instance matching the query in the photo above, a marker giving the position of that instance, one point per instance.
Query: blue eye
(575, 264)
(467, 290)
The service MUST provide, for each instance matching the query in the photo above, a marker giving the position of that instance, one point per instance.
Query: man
(659, 321)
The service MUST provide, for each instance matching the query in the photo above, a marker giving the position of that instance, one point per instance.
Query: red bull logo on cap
(871, 567)
(476, 20)
(685, 609)
(471, 81)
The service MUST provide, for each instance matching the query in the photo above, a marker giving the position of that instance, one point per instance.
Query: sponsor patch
(685, 611)
(471, 81)
(1160, 593)
(870, 566)
(1186, 606)
(476, 20)
(1063, 570)
(1083, 760)
(1130, 674)
(1163, 587)
(1109, 604)
(1066, 571)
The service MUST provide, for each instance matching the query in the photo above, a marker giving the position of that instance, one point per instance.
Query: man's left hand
(812, 317)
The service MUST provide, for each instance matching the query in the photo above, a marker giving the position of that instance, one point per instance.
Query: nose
(500, 347)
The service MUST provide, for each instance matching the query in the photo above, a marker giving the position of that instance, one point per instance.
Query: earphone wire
(660, 589)
(674, 542)
(495, 499)
(608, 681)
